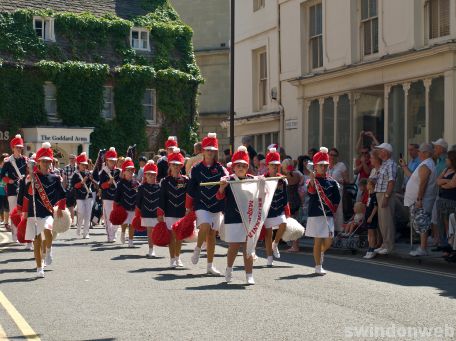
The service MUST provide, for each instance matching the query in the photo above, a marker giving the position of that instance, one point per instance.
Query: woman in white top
(339, 172)
(421, 191)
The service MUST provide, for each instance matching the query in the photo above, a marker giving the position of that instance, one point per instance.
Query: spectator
(142, 163)
(120, 162)
(440, 150)
(311, 152)
(294, 179)
(259, 163)
(196, 158)
(227, 156)
(440, 155)
(420, 195)
(376, 162)
(4, 210)
(363, 165)
(339, 172)
(283, 154)
(363, 192)
(371, 219)
(366, 140)
(446, 201)
(247, 142)
(68, 172)
(303, 163)
(385, 178)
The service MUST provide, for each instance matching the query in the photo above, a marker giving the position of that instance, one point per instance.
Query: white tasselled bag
(61, 224)
(293, 231)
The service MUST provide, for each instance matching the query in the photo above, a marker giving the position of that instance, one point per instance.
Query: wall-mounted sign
(4, 135)
(291, 124)
(62, 138)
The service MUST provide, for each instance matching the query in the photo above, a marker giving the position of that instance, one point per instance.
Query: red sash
(323, 197)
(42, 193)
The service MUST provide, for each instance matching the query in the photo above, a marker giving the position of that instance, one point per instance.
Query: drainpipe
(279, 90)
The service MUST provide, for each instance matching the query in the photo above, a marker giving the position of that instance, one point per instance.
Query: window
(50, 102)
(343, 134)
(44, 28)
(262, 141)
(369, 26)
(140, 39)
(149, 106)
(258, 4)
(328, 122)
(316, 36)
(314, 125)
(396, 122)
(108, 103)
(263, 80)
(438, 18)
(436, 109)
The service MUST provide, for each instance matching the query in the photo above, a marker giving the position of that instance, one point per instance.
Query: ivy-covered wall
(89, 52)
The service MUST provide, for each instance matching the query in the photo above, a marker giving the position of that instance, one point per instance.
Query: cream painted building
(339, 67)
(210, 21)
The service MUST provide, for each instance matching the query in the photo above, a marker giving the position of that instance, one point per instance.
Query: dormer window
(139, 39)
(44, 28)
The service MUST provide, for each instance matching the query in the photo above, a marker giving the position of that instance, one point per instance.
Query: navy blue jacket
(126, 194)
(147, 200)
(331, 189)
(279, 200)
(9, 172)
(108, 191)
(172, 196)
(203, 197)
(81, 192)
(53, 187)
(232, 215)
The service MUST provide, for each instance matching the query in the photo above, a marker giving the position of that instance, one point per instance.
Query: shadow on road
(220, 286)
(16, 260)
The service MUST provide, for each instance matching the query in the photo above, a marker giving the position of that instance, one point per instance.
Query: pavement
(99, 291)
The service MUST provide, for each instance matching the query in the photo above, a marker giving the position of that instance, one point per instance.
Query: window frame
(262, 81)
(47, 29)
(428, 21)
(363, 23)
(52, 117)
(140, 30)
(316, 37)
(111, 101)
(258, 5)
(153, 105)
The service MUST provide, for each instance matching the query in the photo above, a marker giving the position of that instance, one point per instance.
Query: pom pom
(185, 226)
(18, 136)
(242, 149)
(118, 215)
(112, 149)
(33, 157)
(229, 164)
(212, 135)
(293, 231)
(172, 138)
(176, 150)
(324, 150)
(161, 236)
(150, 162)
(272, 150)
(127, 159)
(84, 153)
(46, 145)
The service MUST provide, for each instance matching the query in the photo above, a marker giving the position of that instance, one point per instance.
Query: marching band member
(235, 231)
(81, 182)
(47, 193)
(279, 210)
(109, 177)
(127, 189)
(162, 164)
(203, 200)
(323, 194)
(172, 202)
(147, 201)
(12, 172)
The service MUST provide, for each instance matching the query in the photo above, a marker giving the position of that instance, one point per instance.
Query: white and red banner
(253, 198)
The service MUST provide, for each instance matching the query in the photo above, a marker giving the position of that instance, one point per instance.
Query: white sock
(209, 265)
(229, 269)
(197, 249)
(249, 275)
(270, 258)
